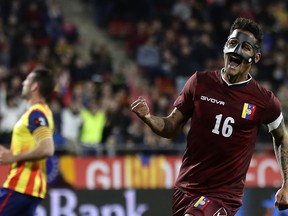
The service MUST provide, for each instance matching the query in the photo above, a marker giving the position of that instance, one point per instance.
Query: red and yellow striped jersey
(29, 177)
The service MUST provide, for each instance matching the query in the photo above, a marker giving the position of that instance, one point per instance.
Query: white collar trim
(238, 83)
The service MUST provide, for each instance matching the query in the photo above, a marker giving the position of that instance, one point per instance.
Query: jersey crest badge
(248, 111)
(202, 203)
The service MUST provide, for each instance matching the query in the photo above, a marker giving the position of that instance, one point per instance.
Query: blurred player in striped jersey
(32, 143)
(226, 108)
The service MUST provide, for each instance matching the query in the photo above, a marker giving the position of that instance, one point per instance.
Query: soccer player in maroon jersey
(226, 108)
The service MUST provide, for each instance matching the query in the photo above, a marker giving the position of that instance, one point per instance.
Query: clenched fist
(140, 107)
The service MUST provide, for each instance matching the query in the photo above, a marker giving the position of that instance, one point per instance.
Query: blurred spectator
(137, 37)
(64, 85)
(120, 76)
(101, 63)
(94, 119)
(135, 134)
(11, 107)
(246, 10)
(22, 49)
(4, 49)
(59, 141)
(79, 69)
(71, 127)
(89, 92)
(148, 54)
(71, 32)
(117, 112)
(54, 23)
(182, 9)
(34, 15)
(63, 48)
(169, 63)
(101, 11)
(148, 57)
(280, 72)
(280, 13)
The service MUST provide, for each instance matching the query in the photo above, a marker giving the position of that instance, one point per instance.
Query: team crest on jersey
(221, 212)
(202, 202)
(40, 121)
(248, 111)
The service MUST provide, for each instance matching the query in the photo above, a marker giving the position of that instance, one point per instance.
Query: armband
(42, 133)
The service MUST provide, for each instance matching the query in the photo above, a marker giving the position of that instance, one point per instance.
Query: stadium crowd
(166, 42)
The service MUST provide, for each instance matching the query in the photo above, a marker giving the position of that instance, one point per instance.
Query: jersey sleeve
(37, 119)
(273, 114)
(184, 102)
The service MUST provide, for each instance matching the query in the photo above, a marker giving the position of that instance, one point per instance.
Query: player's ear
(34, 86)
(257, 57)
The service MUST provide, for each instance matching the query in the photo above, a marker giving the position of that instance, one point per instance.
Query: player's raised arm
(163, 126)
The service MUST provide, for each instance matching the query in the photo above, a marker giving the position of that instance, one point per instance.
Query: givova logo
(212, 100)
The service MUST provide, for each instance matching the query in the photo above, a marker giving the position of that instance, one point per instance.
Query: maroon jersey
(224, 123)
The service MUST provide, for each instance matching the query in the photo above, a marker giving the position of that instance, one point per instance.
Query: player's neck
(236, 79)
(36, 100)
(229, 79)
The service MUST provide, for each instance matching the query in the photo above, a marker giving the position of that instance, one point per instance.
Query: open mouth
(235, 60)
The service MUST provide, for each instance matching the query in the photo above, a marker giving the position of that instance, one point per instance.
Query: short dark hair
(46, 82)
(250, 26)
